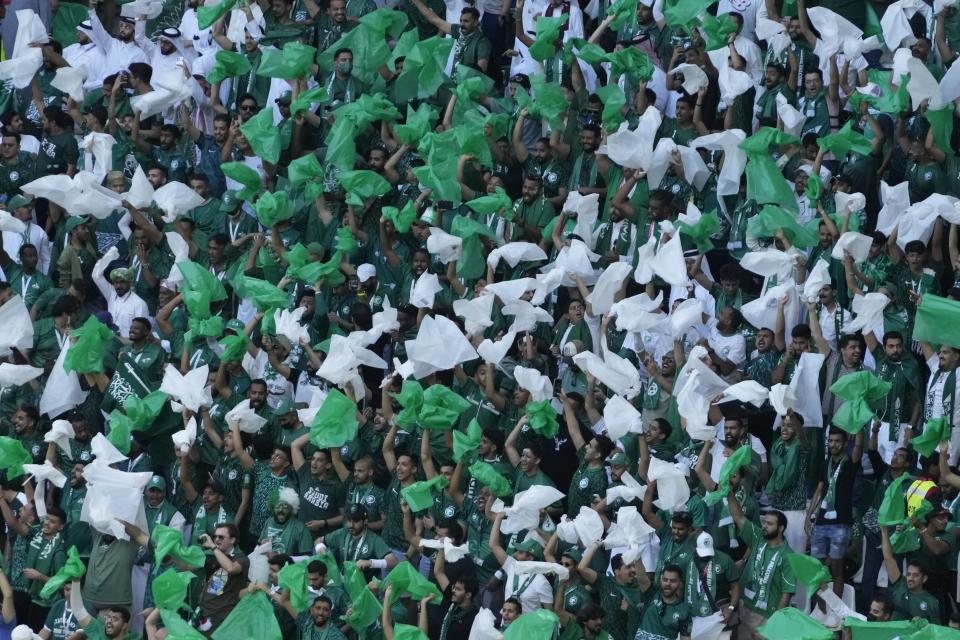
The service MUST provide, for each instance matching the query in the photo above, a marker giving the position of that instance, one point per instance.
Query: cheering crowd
(462, 320)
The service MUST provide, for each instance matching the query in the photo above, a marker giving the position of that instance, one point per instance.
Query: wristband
(378, 564)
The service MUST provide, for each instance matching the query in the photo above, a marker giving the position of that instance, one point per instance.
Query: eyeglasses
(219, 537)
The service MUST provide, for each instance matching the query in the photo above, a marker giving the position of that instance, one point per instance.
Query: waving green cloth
(765, 182)
(465, 443)
(700, 232)
(362, 184)
(228, 64)
(809, 571)
(858, 390)
(936, 321)
(365, 606)
(498, 202)
(542, 418)
(541, 623)
(86, 354)
(207, 15)
(411, 401)
(293, 578)
(625, 11)
(681, 13)
(419, 495)
(893, 508)
(273, 207)
(245, 175)
(419, 123)
(13, 456)
(423, 69)
(234, 347)
(178, 628)
(196, 277)
(335, 423)
(169, 542)
(792, 624)
(772, 219)
(263, 136)
(906, 540)
(252, 618)
(263, 294)
(169, 589)
(401, 218)
(865, 630)
(441, 407)
(406, 579)
(844, 141)
(741, 457)
(305, 100)
(716, 30)
(294, 61)
(613, 102)
(471, 263)
(548, 36)
(71, 570)
(487, 475)
(211, 327)
(632, 62)
(935, 431)
(440, 176)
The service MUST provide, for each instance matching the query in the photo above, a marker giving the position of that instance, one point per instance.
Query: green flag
(471, 264)
(263, 135)
(196, 277)
(294, 61)
(844, 141)
(739, 458)
(772, 219)
(625, 12)
(441, 407)
(858, 390)
(717, 29)
(486, 474)
(365, 606)
(207, 15)
(419, 495)
(465, 443)
(542, 418)
(549, 36)
(935, 431)
(169, 542)
(423, 69)
(264, 295)
(293, 578)
(170, 589)
(228, 64)
(613, 102)
(406, 579)
(252, 618)
(541, 623)
(410, 399)
(809, 571)
(71, 570)
(765, 182)
(936, 321)
(234, 347)
(273, 207)
(86, 353)
(700, 232)
(941, 122)
(245, 175)
(335, 423)
(792, 624)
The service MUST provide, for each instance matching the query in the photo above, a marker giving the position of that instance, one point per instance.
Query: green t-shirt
(107, 581)
(663, 620)
(369, 546)
(621, 624)
(292, 537)
(908, 605)
(766, 573)
(720, 573)
(587, 481)
(45, 556)
(319, 499)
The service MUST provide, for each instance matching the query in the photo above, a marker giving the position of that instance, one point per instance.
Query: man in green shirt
(16, 169)
(814, 103)
(342, 86)
(59, 151)
(285, 533)
(356, 543)
(665, 614)
(777, 81)
(768, 582)
(471, 47)
(619, 595)
(46, 554)
(24, 278)
(532, 212)
(321, 491)
(908, 591)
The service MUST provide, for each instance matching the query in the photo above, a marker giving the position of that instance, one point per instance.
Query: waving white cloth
(149, 8)
(782, 399)
(514, 252)
(669, 263)
(581, 205)
(41, 474)
(190, 390)
(845, 203)
(608, 285)
(175, 198)
(532, 567)
(80, 195)
(774, 33)
(539, 385)
(509, 290)
(25, 61)
(630, 490)
(383, 322)
(792, 119)
(708, 383)
(288, 323)
(62, 391)
(494, 352)
(246, 418)
(694, 78)
(630, 530)
(768, 263)
(104, 450)
(577, 258)
(16, 323)
(694, 408)
(445, 246)
(547, 282)
(733, 83)
(685, 315)
(100, 146)
(895, 200)
(17, 374)
(672, 489)
(9, 223)
(525, 315)
(645, 258)
(856, 244)
(484, 627)
(113, 495)
(762, 312)
(620, 418)
(61, 432)
(347, 354)
(805, 386)
(747, 391)
(895, 24)
(438, 346)
(638, 313)
(169, 89)
(586, 528)
(950, 84)
(819, 278)
(425, 290)
(140, 194)
(734, 159)
(916, 223)
(833, 31)
(869, 313)
(70, 81)
(451, 552)
(618, 374)
(525, 511)
(185, 438)
(634, 149)
(922, 85)
(476, 313)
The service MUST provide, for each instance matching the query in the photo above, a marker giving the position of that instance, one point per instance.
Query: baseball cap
(229, 202)
(529, 546)
(18, 201)
(75, 221)
(366, 271)
(705, 545)
(235, 325)
(357, 512)
(619, 458)
(574, 554)
(286, 98)
(286, 406)
(157, 482)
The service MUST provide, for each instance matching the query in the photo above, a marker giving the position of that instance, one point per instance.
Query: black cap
(733, 410)
(356, 512)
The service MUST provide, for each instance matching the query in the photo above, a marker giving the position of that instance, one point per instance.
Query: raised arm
(494, 540)
(889, 560)
(432, 17)
(510, 446)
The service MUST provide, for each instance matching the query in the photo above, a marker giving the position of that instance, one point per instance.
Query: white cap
(705, 545)
(23, 632)
(366, 271)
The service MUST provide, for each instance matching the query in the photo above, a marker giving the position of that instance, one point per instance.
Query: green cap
(286, 98)
(229, 202)
(233, 324)
(157, 482)
(619, 458)
(529, 546)
(18, 201)
(75, 221)
(286, 406)
(574, 554)
(316, 249)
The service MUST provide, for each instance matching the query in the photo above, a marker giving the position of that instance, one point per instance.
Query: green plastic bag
(293, 578)
(739, 458)
(207, 15)
(486, 474)
(846, 140)
(410, 399)
(273, 207)
(542, 418)
(198, 278)
(465, 444)
(170, 588)
(366, 608)
(178, 628)
(234, 347)
(472, 263)
(263, 136)
(792, 624)
(419, 495)
(294, 61)
(362, 184)
(809, 571)
(541, 623)
(548, 36)
(86, 354)
(401, 218)
(498, 202)
(935, 321)
(252, 618)
(245, 175)
(72, 570)
(229, 64)
(263, 294)
(335, 423)
(406, 579)
(441, 407)
(168, 541)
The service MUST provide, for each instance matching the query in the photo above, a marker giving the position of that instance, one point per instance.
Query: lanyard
(356, 549)
(830, 499)
(25, 283)
(234, 230)
(518, 588)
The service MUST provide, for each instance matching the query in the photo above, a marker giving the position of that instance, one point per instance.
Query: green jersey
(662, 620)
(767, 575)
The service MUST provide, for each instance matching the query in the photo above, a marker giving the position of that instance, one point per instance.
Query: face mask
(345, 67)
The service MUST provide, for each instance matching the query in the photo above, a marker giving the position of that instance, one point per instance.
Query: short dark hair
(884, 603)
(317, 566)
(123, 611)
(915, 246)
(779, 515)
(682, 517)
(589, 611)
(336, 54)
(172, 129)
(496, 437)
(664, 425)
(469, 584)
(141, 71)
(847, 338)
(65, 304)
(323, 598)
(892, 335)
(281, 560)
(673, 568)
(472, 11)
(801, 331)
(231, 528)
(57, 512)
